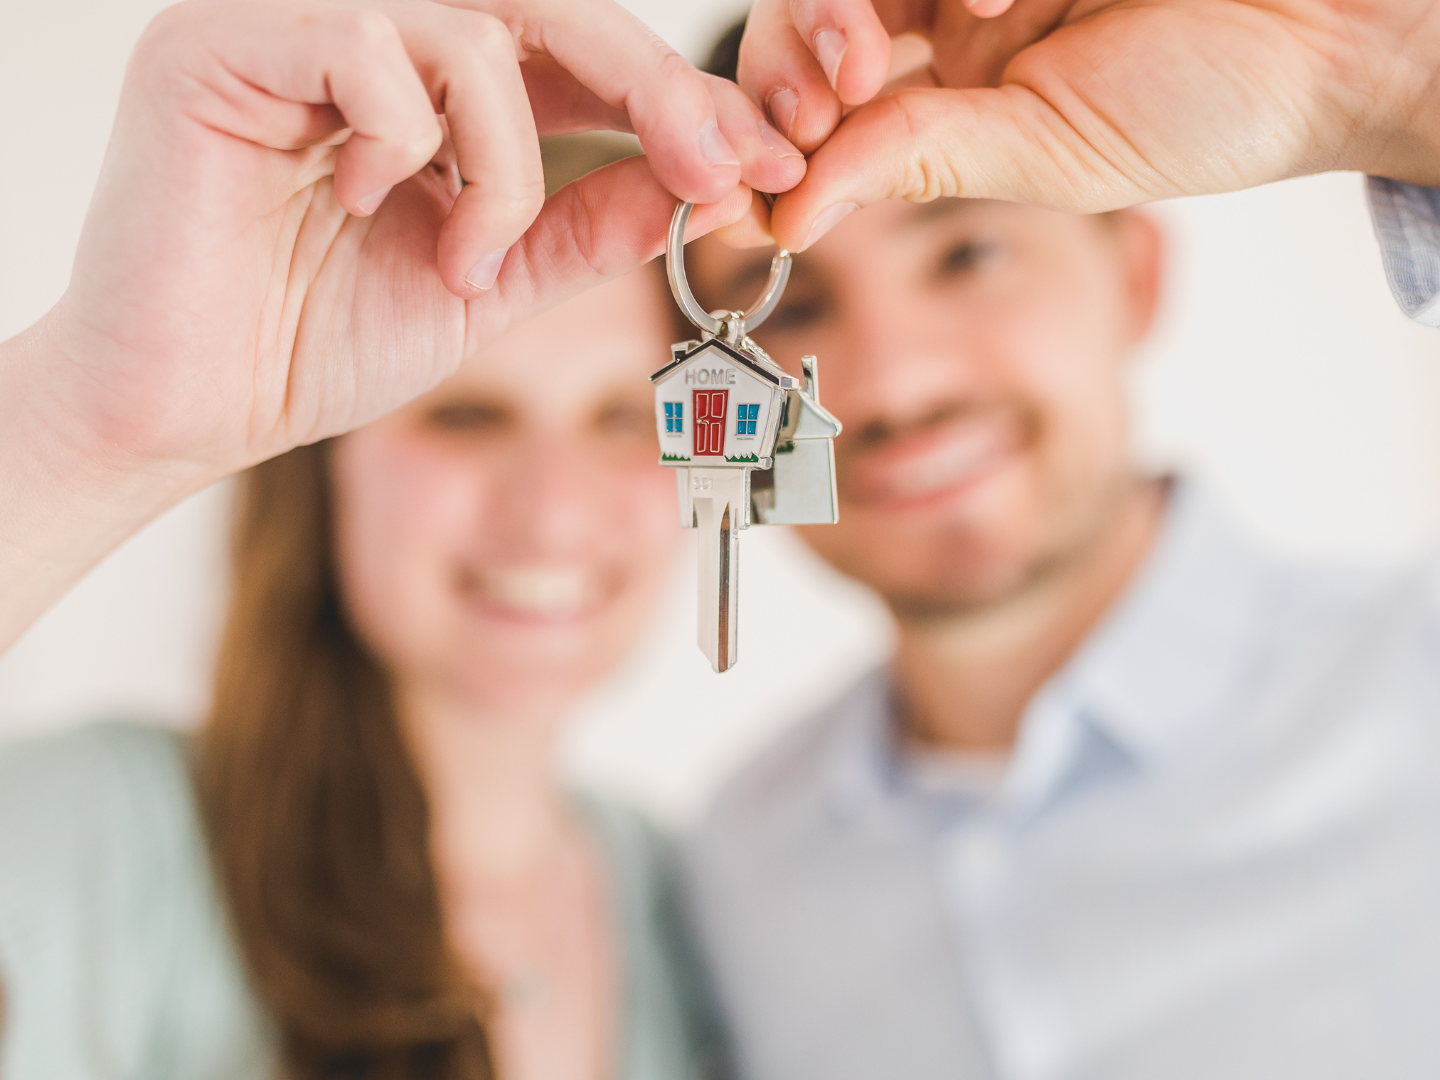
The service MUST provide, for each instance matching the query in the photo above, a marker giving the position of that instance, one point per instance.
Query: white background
(1282, 372)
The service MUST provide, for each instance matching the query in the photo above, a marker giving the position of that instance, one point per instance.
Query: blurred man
(1132, 800)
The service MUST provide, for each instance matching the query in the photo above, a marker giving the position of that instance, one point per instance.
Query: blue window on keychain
(745, 422)
(674, 417)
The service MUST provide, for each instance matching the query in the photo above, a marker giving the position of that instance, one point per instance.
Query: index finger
(805, 60)
(284, 74)
(601, 226)
(691, 143)
(468, 63)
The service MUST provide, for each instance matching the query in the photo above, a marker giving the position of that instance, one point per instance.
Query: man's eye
(796, 314)
(465, 416)
(964, 256)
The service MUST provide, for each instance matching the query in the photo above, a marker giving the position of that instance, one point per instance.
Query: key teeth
(719, 502)
(722, 637)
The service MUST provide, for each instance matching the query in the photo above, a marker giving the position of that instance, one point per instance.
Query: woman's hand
(280, 249)
(1090, 105)
(275, 253)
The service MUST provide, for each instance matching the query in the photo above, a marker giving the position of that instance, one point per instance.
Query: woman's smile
(551, 594)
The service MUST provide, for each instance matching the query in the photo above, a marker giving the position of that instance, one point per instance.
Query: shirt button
(981, 856)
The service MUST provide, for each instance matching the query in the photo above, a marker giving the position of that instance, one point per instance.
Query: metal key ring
(749, 319)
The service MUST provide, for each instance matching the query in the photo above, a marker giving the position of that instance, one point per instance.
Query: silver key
(748, 442)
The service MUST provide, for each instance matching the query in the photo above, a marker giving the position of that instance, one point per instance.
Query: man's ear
(1142, 250)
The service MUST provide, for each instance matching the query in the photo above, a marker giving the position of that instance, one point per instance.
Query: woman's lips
(910, 470)
(544, 594)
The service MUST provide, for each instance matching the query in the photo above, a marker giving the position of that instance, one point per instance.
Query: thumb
(603, 225)
(993, 143)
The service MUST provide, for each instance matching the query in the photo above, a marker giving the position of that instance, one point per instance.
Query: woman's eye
(465, 416)
(626, 420)
(964, 256)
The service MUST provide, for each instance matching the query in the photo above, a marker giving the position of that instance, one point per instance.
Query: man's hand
(1090, 105)
(280, 247)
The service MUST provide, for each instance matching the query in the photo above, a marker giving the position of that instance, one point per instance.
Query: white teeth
(947, 464)
(549, 592)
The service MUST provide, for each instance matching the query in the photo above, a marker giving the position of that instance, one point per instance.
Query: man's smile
(932, 462)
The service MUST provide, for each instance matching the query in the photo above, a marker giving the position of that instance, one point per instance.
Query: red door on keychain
(710, 406)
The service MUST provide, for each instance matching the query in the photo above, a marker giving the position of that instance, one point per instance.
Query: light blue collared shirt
(1215, 853)
(1407, 224)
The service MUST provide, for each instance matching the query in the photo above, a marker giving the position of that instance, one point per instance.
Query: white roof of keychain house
(761, 366)
(814, 422)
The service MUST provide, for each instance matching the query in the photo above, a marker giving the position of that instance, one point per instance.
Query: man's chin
(950, 593)
(940, 605)
(956, 576)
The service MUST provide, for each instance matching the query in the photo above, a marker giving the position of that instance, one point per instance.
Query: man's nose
(895, 360)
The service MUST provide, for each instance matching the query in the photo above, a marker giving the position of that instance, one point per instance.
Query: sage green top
(115, 957)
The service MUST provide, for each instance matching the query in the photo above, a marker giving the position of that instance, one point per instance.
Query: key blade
(726, 632)
(719, 498)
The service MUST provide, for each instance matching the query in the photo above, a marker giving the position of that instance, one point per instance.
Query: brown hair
(317, 821)
(316, 818)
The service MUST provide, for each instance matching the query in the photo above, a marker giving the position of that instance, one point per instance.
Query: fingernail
(716, 150)
(483, 274)
(783, 105)
(830, 50)
(370, 203)
(826, 220)
(778, 144)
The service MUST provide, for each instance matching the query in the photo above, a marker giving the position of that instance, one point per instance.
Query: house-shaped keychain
(749, 443)
(720, 407)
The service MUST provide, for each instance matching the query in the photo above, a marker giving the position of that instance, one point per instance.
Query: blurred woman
(364, 865)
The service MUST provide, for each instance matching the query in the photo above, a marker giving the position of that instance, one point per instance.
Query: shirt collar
(1181, 638)
(860, 748)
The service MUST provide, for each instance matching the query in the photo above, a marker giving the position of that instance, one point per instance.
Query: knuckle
(581, 220)
(171, 29)
(518, 206)
(664, 84)
(489, 32)
(167, 23)
(670, 64)
(725, 93)
(678, 80)
(927, 172)
(423, 144)
(531, 200)
(479, 42)
(478, 36)
(364, 30)
(162, 62)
